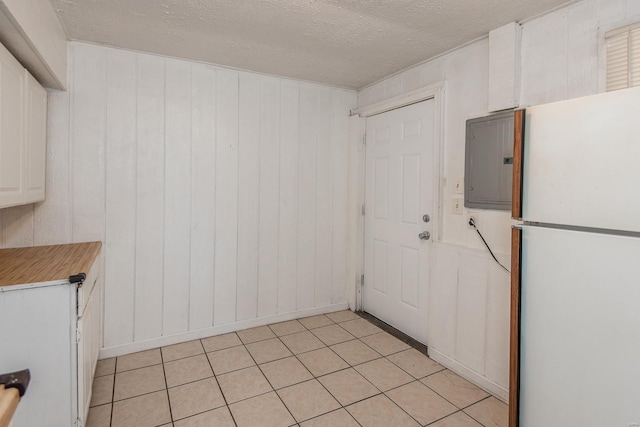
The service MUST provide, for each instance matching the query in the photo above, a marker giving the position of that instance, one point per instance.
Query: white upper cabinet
(33, 33)
(23, 123)
(11, 130)
(35, 140)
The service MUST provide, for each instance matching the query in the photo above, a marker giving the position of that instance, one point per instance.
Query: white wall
(221, 196)
(469, 298)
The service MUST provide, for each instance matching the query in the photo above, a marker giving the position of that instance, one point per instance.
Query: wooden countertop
(8, 403)
(46, 263)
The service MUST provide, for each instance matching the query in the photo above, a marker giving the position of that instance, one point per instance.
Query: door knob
(425, 235)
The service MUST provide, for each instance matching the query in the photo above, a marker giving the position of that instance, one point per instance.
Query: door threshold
(393, 331)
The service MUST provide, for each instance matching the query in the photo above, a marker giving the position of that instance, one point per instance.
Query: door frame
(357, 174)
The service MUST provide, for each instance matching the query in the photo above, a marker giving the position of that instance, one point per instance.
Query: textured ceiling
(347, 43)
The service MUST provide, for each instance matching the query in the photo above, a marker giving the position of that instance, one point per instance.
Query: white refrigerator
(575, 308)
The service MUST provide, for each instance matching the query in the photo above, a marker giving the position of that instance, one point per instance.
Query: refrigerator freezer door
(581, 162)
(580, 329)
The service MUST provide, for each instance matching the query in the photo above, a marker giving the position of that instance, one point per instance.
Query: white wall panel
(582, 53)
(307, 155)
(269, 197)
(497, 326)
(177, 197)
(504, 67)
(444, 289)
(203, 197)
(120, 195)
(324, 199)
(17, 225)
(471, 312)
(632, 8)
(288, 210)
(88, 136)
(52, 222)
(611, 10)
(227, 127)
(249, 196)
(339, 178)
(149, 258)
(544, 74)
(355, 200)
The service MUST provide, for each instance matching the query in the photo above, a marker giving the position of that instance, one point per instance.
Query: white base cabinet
(23, 134)
(53, 329)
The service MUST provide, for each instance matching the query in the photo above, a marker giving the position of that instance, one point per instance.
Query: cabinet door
(85, 374)
(11, 130)
(35, 140)
(35, 326)
(89, 339)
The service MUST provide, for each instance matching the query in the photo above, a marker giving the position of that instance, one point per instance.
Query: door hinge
(362, 209)
(364, 138)
(78, 335)
(362, 280)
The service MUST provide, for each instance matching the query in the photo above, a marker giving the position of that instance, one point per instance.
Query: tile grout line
(295, 422)
(442, 418)
(350, 366)
(383, 393)
(471, 416)
(296, 356)
(419, 380)
(314, 377)
(439, 394)
(113, 391)
(224, 398)
(308, 351)
(166, 384)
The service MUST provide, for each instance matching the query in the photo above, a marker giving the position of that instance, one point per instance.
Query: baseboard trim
(470, 375)
(215, 330)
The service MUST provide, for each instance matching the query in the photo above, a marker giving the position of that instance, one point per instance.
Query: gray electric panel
(489, 162)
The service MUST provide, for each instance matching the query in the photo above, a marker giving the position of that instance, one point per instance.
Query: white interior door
(399, 192)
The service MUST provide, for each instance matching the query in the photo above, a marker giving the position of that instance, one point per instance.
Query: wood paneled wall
(221, 196)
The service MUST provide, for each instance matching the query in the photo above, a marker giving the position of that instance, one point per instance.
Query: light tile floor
(329, 370)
